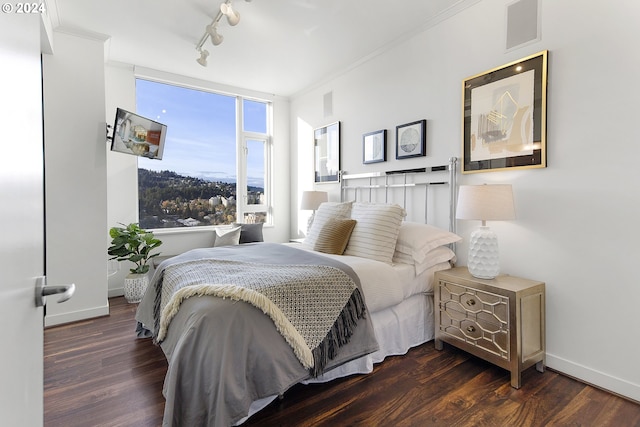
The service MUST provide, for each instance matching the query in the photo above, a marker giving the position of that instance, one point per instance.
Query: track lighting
(211, 30)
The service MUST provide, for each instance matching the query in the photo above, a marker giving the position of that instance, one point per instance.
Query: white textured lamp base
(310, 221)
(484, 258)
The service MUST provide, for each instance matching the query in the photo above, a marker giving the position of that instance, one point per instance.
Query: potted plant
(132, 243)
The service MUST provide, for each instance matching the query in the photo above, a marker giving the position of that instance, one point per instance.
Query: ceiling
(280, 47)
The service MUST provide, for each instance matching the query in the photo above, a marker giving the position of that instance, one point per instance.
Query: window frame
(242, 136)
(242, 207)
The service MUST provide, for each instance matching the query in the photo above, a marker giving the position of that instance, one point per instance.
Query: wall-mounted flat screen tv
(137, 135)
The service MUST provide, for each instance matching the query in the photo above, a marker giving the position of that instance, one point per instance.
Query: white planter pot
(134, 287)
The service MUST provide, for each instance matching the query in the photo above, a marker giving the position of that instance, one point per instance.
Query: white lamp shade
(311, 200)
(492, 202)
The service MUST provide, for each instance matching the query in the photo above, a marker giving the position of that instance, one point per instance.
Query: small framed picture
(374, 147)
(411, 140)
(326, 148)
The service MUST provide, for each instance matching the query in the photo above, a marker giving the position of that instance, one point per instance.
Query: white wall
(122, 169)
(75, 176)
(576, 226)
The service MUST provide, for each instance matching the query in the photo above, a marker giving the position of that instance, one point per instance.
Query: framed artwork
(326, 152)
(504, 117)
(411, 140)
(374, 147)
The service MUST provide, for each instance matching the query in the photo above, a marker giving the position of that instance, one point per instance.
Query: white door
(21, 221)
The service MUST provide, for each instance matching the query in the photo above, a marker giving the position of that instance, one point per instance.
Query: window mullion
(241, 192)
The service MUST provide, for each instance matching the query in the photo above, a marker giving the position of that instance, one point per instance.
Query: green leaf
(132, 243)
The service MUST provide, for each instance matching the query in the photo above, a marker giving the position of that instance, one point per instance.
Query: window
(216, 164)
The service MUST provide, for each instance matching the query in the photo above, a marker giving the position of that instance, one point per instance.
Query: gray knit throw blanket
(314, 307)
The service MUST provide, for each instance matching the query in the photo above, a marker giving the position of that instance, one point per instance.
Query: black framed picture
(411, 140)
(326, 150)
(504, 117)
(374, 147)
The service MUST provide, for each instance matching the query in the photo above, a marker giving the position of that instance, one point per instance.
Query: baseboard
(115, 292)
(598, 379)
(74, 316)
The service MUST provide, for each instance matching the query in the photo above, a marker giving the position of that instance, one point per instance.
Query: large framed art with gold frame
(504, 117)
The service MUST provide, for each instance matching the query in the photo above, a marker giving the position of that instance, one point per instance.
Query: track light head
(216, 38)
(204, 53)
(233, 17)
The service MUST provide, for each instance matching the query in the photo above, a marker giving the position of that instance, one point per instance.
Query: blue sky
(201, 131)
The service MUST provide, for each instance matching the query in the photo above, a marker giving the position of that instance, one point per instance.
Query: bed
(229, 350)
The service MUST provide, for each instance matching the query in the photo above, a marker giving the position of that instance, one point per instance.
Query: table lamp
(485, 203)
(311, 200)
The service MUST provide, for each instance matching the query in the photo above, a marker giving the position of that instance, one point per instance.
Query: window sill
(190, 230)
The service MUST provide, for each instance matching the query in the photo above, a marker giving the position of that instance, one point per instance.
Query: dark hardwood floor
(96, 373)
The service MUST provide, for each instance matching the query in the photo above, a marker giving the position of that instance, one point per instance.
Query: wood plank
(98, 374)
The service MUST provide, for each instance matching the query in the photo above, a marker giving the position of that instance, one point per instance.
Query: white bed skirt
(397, 329)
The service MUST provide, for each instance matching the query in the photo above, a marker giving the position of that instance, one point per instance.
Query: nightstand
(500, 320)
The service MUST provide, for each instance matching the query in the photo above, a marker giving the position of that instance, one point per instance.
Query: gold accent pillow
(325, 211)
(334, 236)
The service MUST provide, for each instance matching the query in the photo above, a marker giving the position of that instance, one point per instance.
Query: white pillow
(325, 211)
(435, 256)
(418, 239)
(402, 258)
(376, 230)
(227, 237)
(438, 255)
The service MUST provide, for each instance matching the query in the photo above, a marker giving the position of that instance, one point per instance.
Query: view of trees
(167, 199)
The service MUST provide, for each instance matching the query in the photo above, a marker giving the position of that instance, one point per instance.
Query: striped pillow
(334, 236)
(376, 231)
(325, 211)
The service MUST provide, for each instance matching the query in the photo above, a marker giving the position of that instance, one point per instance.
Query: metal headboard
(389, 180)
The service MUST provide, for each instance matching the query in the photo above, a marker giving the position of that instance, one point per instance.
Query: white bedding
(398, 329)
(386, 285)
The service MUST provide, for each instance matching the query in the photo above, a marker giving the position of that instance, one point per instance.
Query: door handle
(42, 291)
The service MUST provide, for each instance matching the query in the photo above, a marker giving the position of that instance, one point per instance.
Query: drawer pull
(471, 329)
(471, 302)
